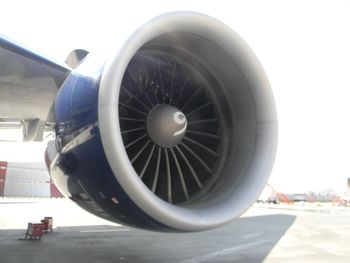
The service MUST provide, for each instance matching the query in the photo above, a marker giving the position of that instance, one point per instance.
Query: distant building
(26, 179)
(297, 197)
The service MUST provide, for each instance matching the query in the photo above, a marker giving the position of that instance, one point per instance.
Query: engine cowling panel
(176, 132)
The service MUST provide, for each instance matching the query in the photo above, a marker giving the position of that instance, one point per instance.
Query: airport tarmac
(262, 234)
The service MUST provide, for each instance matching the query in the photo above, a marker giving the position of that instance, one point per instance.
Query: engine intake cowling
(178, 134)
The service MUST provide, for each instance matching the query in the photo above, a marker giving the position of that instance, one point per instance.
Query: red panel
(54, 191)
(3, 169)
(2, 185)
(35, 230)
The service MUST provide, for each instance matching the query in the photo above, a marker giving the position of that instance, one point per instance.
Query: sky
(304, 47)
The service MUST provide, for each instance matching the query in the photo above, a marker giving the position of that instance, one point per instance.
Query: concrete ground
(262, 234)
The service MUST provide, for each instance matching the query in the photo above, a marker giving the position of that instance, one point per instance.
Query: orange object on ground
(35, 230)
(48, 223)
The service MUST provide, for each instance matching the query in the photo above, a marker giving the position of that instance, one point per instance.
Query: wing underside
(28, 85)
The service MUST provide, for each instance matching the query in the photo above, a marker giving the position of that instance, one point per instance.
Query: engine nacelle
(176, 132)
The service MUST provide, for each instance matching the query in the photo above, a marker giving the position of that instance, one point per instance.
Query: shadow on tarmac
(247, 239)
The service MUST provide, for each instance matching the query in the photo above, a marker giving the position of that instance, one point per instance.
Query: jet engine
(176, 132)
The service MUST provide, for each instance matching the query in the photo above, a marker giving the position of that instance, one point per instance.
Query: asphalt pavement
(262, 234)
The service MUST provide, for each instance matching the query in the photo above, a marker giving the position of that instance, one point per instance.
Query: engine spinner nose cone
(166, 125)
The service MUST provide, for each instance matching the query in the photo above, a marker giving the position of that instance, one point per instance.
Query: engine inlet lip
(209, 215)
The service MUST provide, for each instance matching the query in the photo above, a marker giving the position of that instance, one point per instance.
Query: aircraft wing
(28, 86)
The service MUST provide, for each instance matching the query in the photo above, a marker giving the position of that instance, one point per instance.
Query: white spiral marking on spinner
(180, 118)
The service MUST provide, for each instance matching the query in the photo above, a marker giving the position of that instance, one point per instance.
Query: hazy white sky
(304, 47)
